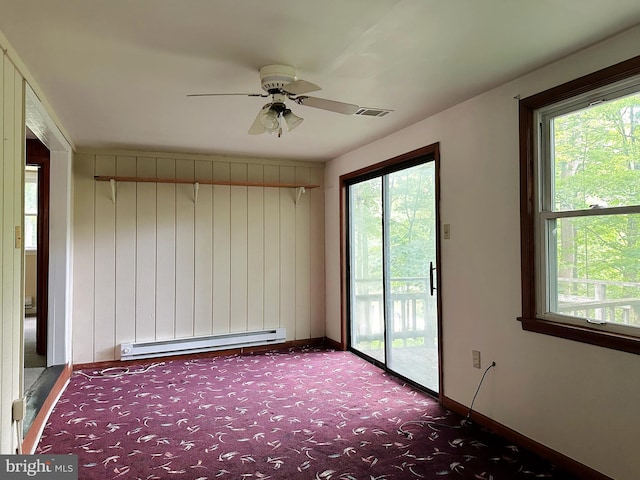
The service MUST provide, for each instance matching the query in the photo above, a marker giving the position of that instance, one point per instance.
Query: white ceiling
(117, 72)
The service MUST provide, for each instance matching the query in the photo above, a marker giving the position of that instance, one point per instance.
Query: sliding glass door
(366, 282)
(392, 257)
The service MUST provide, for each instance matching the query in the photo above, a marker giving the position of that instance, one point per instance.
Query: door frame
(414, 157)
(60, 299)
(38, 155)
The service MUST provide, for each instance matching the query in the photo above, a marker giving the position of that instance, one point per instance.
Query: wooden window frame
(527, 111)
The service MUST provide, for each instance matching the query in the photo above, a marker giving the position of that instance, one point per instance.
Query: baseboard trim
(32, 437)
(311, 342)
(562, 461)
(333, 344)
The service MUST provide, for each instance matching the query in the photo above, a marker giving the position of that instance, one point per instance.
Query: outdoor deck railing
(412, 307)
(590, 299)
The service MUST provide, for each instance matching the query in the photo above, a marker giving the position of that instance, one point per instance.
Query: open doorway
(36, 208)
(47, 148)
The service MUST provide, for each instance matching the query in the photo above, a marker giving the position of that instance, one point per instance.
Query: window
(580, 199)
(31, 208)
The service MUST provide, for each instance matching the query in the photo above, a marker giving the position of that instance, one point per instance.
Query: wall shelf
(300, 187)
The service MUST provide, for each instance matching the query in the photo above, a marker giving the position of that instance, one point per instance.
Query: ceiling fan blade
(257, 127)
(331, 105)
(226, 94)
(300, 86)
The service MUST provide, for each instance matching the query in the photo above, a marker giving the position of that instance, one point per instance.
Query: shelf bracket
(196, 187)
(112, 182)
(300, 191)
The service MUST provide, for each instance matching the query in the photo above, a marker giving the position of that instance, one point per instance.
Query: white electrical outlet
(18, 409)
(476, 359)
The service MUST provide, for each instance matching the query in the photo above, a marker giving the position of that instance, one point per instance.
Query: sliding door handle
(431, 285)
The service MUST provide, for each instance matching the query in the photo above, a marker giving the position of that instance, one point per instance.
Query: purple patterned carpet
(303, 414)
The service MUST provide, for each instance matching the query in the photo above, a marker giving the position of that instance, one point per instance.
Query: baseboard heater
(182, 346)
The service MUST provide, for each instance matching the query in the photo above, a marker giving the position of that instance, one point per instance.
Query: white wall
(577, 399)
(31, 276)
(158, 266)
(11, 258)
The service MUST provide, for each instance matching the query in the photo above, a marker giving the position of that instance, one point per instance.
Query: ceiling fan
(280, 83)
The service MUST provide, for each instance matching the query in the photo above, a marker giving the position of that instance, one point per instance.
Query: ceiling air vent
(372, 112)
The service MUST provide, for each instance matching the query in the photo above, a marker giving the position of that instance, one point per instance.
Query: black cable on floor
(493, 364)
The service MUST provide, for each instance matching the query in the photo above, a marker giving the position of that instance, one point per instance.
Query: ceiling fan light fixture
(291, 119)
(280, 82)
(270, 120)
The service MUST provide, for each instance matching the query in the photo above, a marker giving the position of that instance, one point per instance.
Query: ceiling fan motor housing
(275, 77)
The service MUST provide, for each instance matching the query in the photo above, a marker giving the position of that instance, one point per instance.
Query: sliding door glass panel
(366, 269)
(410, 238)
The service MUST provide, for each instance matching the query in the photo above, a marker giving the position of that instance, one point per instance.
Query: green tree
(597, 165)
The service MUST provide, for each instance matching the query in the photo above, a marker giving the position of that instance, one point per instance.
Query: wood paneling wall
(155, 265)
(11, 258)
